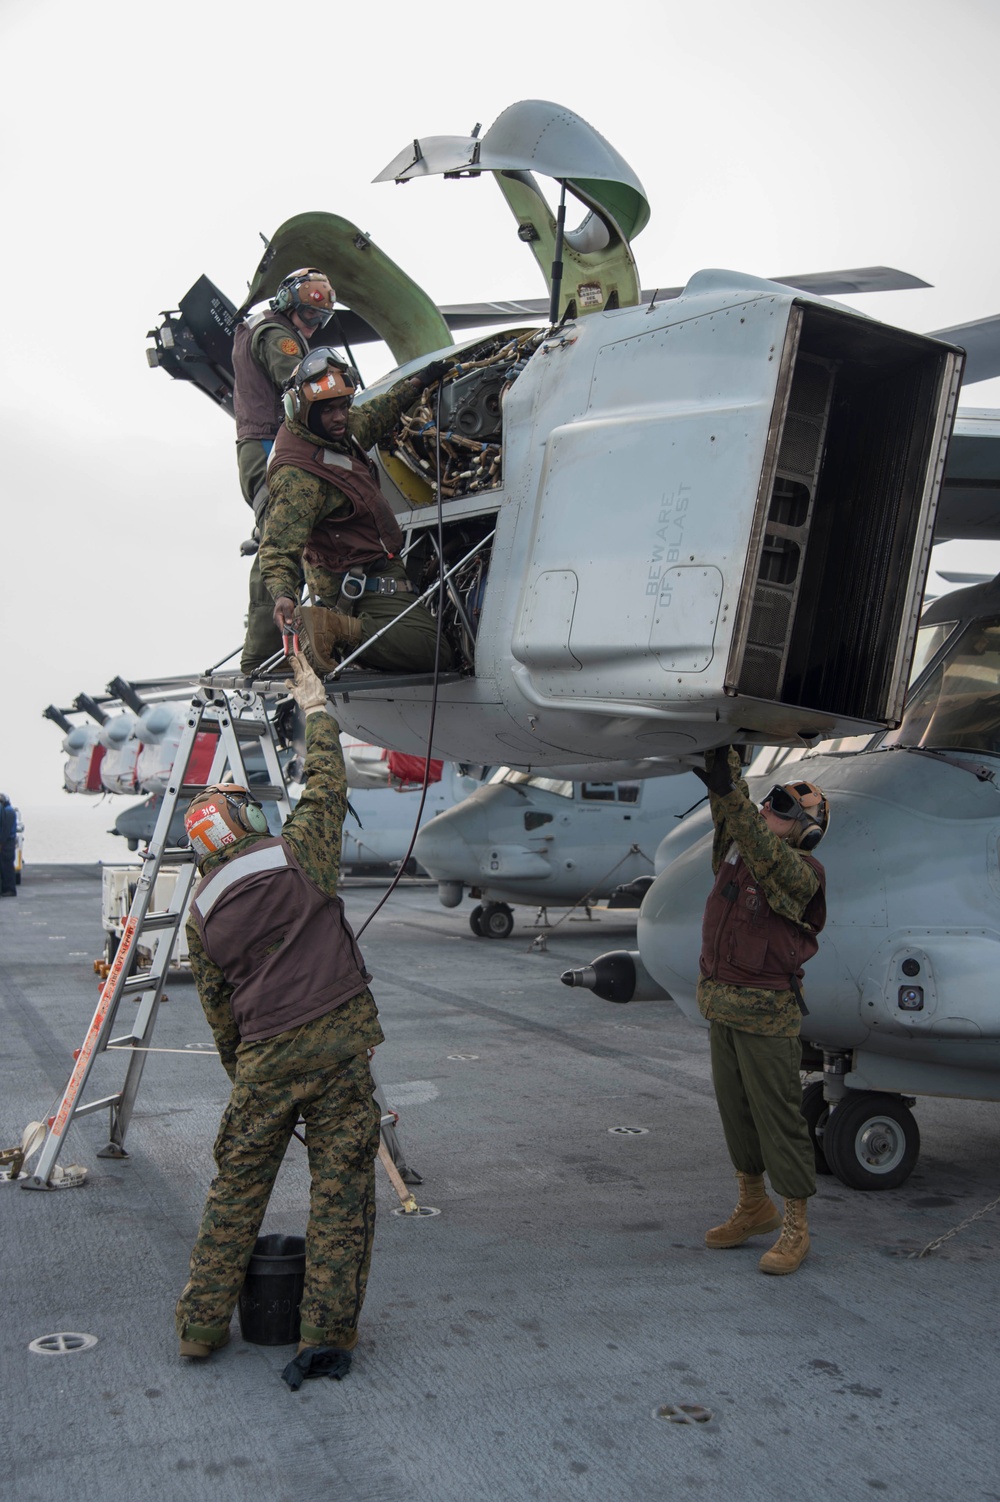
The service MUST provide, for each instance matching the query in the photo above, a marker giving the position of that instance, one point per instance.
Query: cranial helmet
(321, 376)
(220, 816)
(807, 805)
(308, 293)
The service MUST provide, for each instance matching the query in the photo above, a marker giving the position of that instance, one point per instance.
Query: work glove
(433, 372)
(317, 1361)
(717, 776)
(307, 691)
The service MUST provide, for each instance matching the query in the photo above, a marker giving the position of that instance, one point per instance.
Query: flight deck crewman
(266, 349)
(326, 514)
(285, 991)
(765, 909)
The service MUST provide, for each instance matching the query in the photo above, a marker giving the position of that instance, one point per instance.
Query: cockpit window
(610, 792)
(958, 707)
(514, 778)
(930, 640)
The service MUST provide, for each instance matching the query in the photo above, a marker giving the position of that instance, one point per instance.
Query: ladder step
(143, 982)
(159, 920)
(98, 1105)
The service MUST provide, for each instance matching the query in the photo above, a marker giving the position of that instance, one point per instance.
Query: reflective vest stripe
(244, 865)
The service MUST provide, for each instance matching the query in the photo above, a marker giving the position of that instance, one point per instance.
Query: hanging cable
(437, 671)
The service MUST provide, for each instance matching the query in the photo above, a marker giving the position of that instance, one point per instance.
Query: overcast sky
(144, 145)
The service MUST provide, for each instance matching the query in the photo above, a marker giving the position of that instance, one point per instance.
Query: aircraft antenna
(557, 265)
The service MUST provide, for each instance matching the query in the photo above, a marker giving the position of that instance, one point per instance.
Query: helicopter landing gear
(816, 1112)
(496, 921)
(474, 917)
(871, 1141)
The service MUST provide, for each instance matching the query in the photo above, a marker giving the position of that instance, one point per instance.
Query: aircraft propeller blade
(981, 341)
(472, 315)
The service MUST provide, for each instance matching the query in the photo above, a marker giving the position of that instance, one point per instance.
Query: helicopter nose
(444, 844)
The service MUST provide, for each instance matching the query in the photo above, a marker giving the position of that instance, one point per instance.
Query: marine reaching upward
(284, 988)
(765, 909)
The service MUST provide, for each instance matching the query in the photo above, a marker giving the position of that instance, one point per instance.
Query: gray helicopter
(539, 839)
(664, 515)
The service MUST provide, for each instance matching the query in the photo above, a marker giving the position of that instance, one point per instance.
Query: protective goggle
(781, 802)
(316, 364)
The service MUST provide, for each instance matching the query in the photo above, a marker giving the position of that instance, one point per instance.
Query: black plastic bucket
(272, 1291)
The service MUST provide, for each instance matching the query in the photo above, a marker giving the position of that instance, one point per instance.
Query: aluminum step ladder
(240, 721)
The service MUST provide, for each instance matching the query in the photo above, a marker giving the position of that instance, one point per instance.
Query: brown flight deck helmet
(320, 376)
(307, 292)
(807, 804)
(221, 815)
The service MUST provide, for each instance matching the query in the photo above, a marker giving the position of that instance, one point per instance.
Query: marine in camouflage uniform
(299, 501)
(318, 1070)
(755, 1047)
(277, 351)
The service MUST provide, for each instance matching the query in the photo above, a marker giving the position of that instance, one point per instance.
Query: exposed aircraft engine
(471, 419)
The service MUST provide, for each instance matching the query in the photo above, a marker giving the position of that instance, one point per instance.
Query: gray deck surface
(518, 1344)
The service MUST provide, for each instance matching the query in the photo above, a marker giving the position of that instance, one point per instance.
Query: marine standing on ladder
(765, 909)
(327, 515)
(284, 988)
(266, 349)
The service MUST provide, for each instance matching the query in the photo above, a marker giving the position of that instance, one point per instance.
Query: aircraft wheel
(474, 919)
(816, 1112)
(871, 1141)
(497, 921)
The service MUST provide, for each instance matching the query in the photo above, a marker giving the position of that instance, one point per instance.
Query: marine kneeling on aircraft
(765, 909)
(327, 515)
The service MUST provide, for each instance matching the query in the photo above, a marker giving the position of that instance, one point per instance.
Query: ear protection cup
(253, 817)
(810, 838)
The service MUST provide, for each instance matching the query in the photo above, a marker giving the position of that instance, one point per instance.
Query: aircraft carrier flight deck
(529, 1340)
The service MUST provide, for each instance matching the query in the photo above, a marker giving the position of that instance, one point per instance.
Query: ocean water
(74, 830)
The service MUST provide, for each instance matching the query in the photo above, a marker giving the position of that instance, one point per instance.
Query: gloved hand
(307, 691)
(433, 372)
(717, 776)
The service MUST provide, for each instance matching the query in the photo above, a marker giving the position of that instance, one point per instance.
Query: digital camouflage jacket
(299, 500)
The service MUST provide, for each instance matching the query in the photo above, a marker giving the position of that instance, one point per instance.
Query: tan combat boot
(324, 631)
(200, 1350)
(754, 1215)
(792, 1245)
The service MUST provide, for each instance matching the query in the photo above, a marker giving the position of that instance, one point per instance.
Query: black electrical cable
(437, 670)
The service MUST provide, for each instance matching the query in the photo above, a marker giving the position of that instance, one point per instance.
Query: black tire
(474, 917)
(497, 921)
(871, 1141)
(816, 1112)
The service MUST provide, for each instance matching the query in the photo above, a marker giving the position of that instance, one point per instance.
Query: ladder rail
(102, 1022)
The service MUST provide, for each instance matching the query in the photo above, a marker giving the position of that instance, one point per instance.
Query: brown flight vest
(744, 943)
(368, 532)
(281, 942)
(256, 400)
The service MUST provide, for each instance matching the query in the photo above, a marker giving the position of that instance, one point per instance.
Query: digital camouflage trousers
(342, 1133)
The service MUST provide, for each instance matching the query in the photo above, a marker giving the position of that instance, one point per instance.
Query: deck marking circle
(413, 1214)
(63, 1343)
(683, 1413)
(628, 1131)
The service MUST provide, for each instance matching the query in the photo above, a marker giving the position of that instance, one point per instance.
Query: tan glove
(307, 690)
